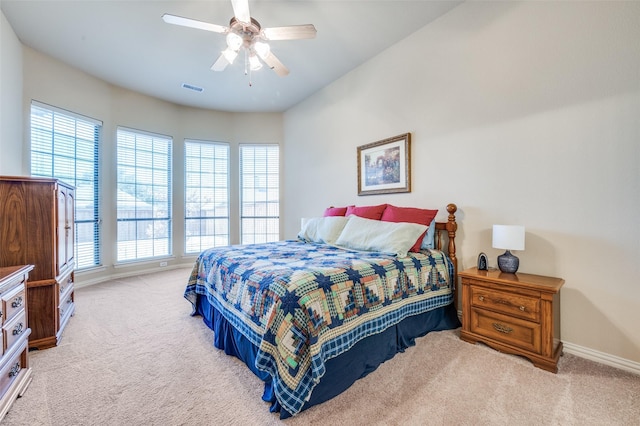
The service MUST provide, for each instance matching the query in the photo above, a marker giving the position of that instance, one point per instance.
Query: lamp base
(508, 263)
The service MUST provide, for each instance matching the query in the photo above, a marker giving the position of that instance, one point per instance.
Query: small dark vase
(508, 263)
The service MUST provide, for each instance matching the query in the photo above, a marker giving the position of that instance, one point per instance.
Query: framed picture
(385, 166)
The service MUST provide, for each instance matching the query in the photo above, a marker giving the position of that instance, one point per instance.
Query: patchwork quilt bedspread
(302, 304)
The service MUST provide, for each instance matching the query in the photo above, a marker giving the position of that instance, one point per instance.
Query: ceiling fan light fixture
(254, 62)
(262, 49)
(244, 32)
(234, 41)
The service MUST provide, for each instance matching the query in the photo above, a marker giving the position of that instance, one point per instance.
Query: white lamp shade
(262, 49)
(234, 41)
(508, 237)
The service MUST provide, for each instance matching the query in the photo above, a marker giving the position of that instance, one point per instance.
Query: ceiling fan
(244, 32)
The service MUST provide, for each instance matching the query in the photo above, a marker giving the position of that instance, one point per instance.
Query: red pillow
(335, 211)
(367, 212)
(411, 215)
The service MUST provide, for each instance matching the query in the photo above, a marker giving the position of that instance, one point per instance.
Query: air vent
(192, 87)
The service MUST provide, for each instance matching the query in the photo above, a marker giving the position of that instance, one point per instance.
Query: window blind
(259, 193)
(206, 195)
(65, 145)
(143, 206)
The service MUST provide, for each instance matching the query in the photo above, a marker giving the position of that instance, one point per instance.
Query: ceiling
(126, 43)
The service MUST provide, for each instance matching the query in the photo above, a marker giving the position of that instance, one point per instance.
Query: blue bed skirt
(341, 371)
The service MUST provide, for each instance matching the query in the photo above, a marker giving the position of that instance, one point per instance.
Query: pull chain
(247, 67)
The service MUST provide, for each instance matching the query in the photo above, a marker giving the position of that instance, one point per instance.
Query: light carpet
(132, 355)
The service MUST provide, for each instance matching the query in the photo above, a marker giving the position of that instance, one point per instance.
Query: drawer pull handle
(17, 302)
(14, 370)
(522, 308)
(502, 328)
(18, 329)
(481, 298)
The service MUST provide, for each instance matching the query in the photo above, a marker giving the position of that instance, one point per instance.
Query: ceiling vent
(192, 87)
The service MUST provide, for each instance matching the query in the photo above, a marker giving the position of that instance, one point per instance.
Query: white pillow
(374, 235)
(428, 242)
(322, 229)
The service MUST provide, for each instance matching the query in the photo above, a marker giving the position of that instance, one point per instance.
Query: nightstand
(513, 313)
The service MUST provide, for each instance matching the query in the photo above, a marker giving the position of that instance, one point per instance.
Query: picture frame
(384, 166)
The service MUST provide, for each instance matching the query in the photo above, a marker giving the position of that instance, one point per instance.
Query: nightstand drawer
(516, 305)
(512, 331)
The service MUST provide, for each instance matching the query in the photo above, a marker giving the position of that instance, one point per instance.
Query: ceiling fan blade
(274, 63)
(241, 10)
(220, 64)
(192, 23)
(293, 32)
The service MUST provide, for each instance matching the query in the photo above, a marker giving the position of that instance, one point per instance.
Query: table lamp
(508, 237)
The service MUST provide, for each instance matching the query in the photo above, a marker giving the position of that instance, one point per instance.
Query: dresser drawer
(512, 304)
(512, 331)
(66, 307)
(65, 286)
(10, 369)
(13, 330)
(13, 302)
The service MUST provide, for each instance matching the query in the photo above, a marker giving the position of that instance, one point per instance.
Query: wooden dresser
(15, 374)
(513, 313)
(37, 227)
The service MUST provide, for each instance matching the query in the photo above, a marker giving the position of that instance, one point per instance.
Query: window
(259, 193)
(64, 145)
(206, 195)
(143, 195)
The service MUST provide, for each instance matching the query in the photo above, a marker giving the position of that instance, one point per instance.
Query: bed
(311, 317)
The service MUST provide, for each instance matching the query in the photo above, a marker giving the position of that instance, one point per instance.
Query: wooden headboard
(449, 227)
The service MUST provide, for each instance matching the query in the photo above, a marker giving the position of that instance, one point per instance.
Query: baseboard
(132, 273)
(601, 357)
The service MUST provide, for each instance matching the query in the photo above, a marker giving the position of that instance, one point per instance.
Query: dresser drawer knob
(14, 370)
(502, 328)
(481, 298)
(522, 308)
(17, 302)
(18, 329)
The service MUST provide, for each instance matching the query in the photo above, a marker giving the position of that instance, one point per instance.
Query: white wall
(10, 99)
(55, 83)
(521, 113)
